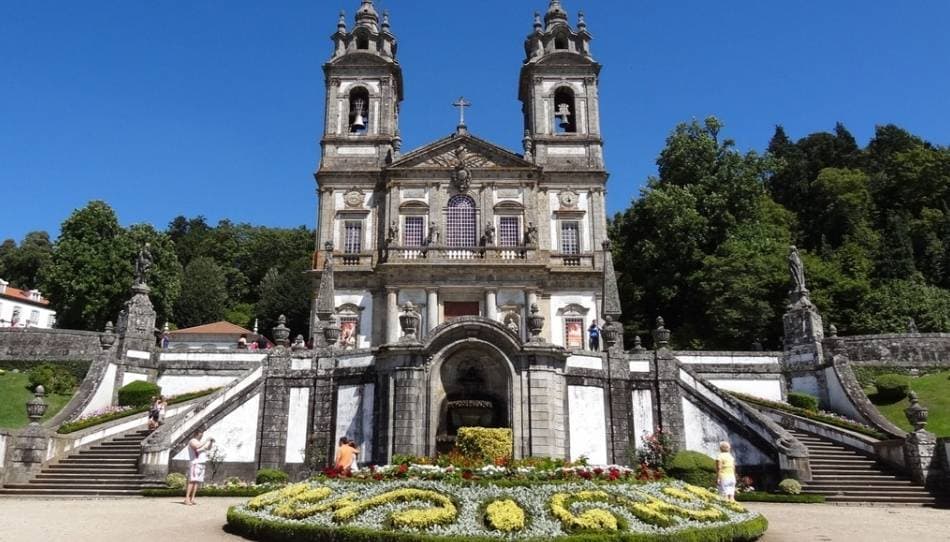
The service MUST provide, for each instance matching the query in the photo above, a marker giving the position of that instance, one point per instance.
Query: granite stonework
(47, 345)
(907, 350)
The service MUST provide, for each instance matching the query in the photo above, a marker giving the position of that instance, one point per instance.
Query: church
(498, 256)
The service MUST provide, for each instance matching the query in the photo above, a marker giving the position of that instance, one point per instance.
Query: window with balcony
(570, 238)
(461, 217)
(509, 232)
(414, 231)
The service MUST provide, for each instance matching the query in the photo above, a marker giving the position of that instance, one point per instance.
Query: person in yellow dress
(726, 471)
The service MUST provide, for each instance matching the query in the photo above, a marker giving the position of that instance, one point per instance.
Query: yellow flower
(505, 516)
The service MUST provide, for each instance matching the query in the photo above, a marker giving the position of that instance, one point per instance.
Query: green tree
(893, 303)
(286, 292)
(20, 265)
(89, 273)
(204, 294)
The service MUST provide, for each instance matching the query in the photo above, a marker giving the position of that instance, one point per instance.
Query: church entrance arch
(471, 385)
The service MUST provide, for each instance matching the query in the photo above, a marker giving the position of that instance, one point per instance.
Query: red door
(455, 309)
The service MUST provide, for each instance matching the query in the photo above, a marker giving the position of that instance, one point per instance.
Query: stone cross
(462, 103)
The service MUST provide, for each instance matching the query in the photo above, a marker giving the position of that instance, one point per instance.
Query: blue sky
(215, 107)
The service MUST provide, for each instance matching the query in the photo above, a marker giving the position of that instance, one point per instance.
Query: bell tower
(559, 93)
(363, 93)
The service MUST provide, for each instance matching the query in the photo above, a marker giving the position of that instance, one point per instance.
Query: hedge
(138, 393)
(803, 400)
(76, 367)
(762, 496)
(816, 416)
(484, 443)
(271, 476)
(693, 468)
(249, 491)
(892, 387)
(70, 427)
(54, 378)
(249, 526)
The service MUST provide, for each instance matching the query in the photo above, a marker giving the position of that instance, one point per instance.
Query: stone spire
(611, 294)
(341, 23)
(555, 14)
(367, 15)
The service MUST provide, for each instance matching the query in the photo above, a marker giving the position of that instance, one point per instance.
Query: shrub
(803, 400)
(693, 468)
(272, 476)
(176, 480)
(790, 487)
(138, 393)
(484, 443)
(53, 378)
(892, 387)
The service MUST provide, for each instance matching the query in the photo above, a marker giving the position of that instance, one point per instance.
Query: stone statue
(530, 234)
(797, 271)
(490, 234)
(433, 237)
(911, 326)
(143, 264)
(393, 234)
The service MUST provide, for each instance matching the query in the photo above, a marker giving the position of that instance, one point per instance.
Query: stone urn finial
(916, 413)
(638, 344)
(299, 343)
(107, 337)
(535, 323)
(331, 332)
(281, 331)
(661, 335)
(409, 322)
(36, 407)
(609, 331)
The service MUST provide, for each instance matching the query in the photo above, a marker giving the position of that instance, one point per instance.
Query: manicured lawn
(934, 393)
(14, 395)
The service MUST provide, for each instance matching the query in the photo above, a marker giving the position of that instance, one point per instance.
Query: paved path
(165, 520)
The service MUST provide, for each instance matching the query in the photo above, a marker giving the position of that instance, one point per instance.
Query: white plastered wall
(704, 433)
(235, 435)
(588, 424)
(360, 299)
(559, 301)
(354, 417)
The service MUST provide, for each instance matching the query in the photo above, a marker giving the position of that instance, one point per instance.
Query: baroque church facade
(500, 256)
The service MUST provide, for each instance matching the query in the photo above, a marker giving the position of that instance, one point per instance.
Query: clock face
(568, 199)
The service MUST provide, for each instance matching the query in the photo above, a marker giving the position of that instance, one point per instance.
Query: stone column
(491, 304)
(432, 308)
(392, 315)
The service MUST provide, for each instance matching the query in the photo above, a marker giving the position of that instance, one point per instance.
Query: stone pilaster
(669, 395)
(546, 393)
(491, 304)
(409, 421)
(392, 315)
(27, 455)
(432, 308)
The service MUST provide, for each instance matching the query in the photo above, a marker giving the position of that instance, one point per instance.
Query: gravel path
(166, 520)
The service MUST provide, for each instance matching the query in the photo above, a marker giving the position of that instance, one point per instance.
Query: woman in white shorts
(197, 456)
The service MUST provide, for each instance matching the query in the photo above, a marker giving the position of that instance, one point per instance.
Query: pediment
(461, 151)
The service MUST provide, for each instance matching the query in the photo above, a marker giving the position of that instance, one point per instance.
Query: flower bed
(426, 510)
(517, 475)
(822, 416)
(111, 413)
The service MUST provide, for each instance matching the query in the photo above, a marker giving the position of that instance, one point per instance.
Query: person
(346, 455)
(198, 456)
(165, 340)
(262, 343)
(593, 341)
(726, 471)
(153, 414)
(162, 405)
(242, 342)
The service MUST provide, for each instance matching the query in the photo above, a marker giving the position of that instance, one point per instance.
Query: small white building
(24, 308)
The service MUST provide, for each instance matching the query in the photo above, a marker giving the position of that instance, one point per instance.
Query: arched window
(460, 222)
(359, 108)
(565, 111)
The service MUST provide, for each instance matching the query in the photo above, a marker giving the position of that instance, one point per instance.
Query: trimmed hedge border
(850, 426)
(210, 492)
(249, 526)
(72, 427)
(762, 496)
(78, 368)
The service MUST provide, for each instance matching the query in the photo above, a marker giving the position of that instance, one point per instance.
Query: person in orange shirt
(346, 455)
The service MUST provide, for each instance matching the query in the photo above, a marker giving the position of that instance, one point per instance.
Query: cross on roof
(462, 103)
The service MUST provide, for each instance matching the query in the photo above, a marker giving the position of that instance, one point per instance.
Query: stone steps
(848, 476)
(104, 469)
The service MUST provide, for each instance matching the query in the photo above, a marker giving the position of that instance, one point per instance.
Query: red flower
(377, 476)
(598, 471)
(467, 475)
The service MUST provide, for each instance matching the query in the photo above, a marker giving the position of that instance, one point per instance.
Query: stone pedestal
(27, 454)
(920, 449)
(670, 397)
(137, 320)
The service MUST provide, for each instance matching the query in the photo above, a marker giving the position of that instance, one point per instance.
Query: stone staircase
(107, 468)
(843, 475)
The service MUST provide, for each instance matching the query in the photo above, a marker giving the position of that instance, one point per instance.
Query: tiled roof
(216, 328)
(22, 295)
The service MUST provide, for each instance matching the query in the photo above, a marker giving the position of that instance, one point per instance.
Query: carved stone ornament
(568, 199)
(353, 198)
